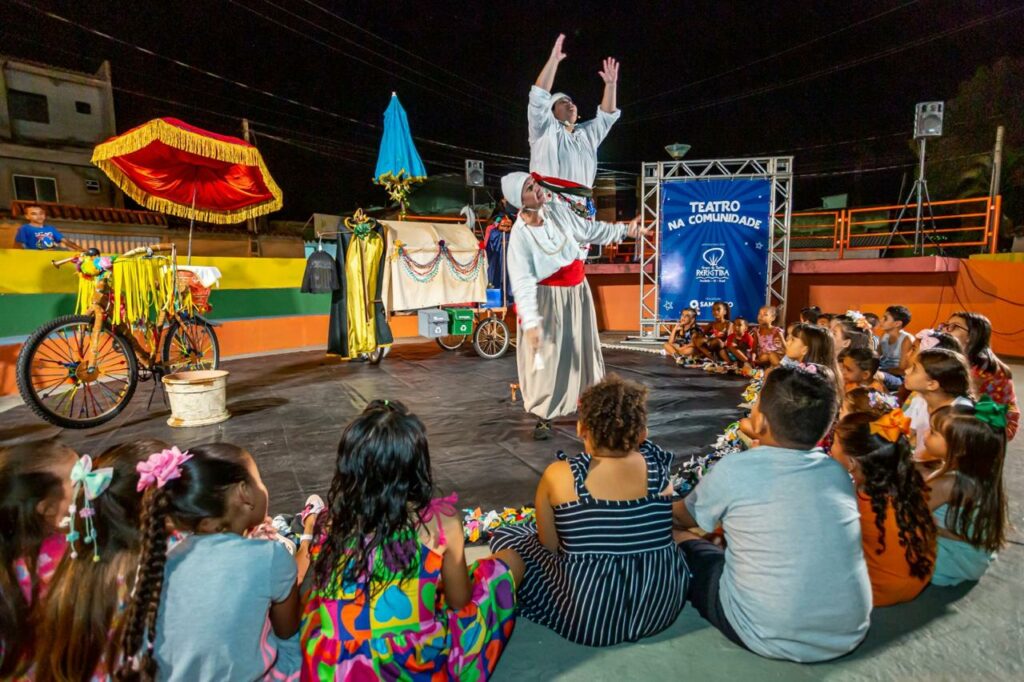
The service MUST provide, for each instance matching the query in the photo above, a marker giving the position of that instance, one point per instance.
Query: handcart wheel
(451, 341)
(491, 338)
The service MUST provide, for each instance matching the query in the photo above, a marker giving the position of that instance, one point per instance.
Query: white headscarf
(557, 96)
(512, 187)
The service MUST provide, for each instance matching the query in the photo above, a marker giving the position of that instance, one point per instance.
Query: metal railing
(955, 226)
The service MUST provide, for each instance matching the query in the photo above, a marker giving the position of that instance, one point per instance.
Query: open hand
(610, 71)
(556, 52)
(636, 229)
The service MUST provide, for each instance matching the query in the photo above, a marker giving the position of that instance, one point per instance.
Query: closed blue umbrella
(398, 163)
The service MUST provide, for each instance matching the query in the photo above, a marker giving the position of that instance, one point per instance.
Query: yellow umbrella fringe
(189, 142)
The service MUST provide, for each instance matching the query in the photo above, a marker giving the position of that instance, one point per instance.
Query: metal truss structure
(777, 169)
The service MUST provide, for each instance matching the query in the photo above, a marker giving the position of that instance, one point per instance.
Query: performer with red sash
(558, 353)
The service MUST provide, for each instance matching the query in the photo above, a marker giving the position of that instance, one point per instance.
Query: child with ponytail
(81, 621)
(390, 595)
(35, 491)
(941, 378)
(968, 499)
(218, 605)
(897, 529)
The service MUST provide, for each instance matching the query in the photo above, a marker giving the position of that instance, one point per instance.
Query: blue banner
(714, 245)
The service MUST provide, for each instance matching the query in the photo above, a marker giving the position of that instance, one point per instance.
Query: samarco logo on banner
(712, 270)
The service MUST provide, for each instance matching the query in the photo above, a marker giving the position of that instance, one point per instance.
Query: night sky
(731, 78)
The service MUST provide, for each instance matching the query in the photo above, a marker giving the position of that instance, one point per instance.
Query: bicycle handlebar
(132, 252)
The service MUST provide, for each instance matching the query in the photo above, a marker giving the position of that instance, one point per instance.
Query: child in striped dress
(601, 566)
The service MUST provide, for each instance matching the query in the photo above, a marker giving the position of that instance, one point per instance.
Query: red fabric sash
(557, 182)
(567, 276)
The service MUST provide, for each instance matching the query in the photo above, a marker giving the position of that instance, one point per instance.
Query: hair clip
(991, 412)
(877, 399)
(161, 467)
(891, 425)
(855, 315)
(92, 484)
(807, 367)
(926, 339)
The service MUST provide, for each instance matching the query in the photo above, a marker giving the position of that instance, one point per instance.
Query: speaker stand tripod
(920, 191)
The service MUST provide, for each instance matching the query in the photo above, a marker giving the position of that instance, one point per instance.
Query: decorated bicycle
(140, 315)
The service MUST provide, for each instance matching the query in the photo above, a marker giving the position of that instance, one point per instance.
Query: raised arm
(546, 78)
(610, 75)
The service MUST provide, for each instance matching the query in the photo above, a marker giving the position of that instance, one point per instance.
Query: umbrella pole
(191, 224)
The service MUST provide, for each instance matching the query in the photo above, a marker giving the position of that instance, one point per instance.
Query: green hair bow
(991, 412)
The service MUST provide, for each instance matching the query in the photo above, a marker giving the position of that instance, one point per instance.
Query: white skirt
(570, 350)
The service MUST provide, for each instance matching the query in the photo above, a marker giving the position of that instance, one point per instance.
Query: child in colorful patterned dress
(35, 492)
(216, 605)
(770, 339)
(967, 497)
(990, 375)
(82, 619)
(390, 595)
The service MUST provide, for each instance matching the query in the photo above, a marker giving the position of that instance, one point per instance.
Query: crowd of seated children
(144, 562)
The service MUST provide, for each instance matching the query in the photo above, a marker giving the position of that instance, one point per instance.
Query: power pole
(250, 223)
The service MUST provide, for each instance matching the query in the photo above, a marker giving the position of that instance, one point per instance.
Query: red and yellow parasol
(170, 166)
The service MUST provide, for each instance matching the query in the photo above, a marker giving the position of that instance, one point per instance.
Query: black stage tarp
(289, 410)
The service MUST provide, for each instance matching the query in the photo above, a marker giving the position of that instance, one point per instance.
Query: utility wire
(774, 55)
(974, 23)
(467, 100)
(250, 88)
(401, 49)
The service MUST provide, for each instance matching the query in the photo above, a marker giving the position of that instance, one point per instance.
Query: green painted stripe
(20, 314)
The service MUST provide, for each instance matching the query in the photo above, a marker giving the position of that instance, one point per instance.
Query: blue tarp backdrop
(714, 246)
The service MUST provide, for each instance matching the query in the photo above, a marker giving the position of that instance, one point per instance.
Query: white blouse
(554, 151)
(536, 253)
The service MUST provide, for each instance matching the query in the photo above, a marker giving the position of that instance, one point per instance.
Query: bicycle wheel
(491, 338)
(59, 381)
(190, 344)
(452, 341)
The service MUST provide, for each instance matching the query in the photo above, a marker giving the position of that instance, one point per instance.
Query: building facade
(50, 120)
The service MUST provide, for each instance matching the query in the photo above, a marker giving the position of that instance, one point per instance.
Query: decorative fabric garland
(426, 272)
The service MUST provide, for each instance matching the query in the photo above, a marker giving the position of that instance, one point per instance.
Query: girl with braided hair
(82, 618)
(897, 529)
(217, 605)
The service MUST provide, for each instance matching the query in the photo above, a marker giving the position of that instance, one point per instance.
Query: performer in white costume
(560, 145)
(558, 353)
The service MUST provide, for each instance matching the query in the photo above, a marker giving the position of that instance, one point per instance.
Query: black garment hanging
(337, 329)
(321, 276)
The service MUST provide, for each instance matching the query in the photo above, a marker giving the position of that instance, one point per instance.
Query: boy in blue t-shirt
(792, 582)
(36, 234)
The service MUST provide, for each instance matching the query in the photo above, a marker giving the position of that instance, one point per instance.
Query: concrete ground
(289, 409)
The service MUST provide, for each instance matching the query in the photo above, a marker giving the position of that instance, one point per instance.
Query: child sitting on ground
(390, 595)
(601, 567)
(82, 619)
(847, 334)
(217, 605)
(967, 496)
(35, 492)
(810, 314)
(682, 341)
(894, 345)
(858, 367)
(941, 378)
(712, 344)
(740, 344)
(897, 529)
(770, 339)
(989, 374)
(791, 582)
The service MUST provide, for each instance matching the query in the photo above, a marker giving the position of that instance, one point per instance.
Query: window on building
(28, 106)
(92, 186)
(83, 107)
(34, 188)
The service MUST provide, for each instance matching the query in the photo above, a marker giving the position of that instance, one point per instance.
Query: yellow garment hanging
(362, 267)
